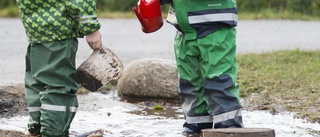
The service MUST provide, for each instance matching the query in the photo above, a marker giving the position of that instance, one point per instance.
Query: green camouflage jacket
(51, 20)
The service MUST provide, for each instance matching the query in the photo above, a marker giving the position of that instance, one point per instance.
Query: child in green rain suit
(205, 50)
(52, 28)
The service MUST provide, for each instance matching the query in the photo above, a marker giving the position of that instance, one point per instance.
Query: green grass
(269, 14)
(115, 14)
(282, 81)
(11, 11)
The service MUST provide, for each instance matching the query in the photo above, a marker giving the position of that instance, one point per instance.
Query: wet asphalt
(125, 38)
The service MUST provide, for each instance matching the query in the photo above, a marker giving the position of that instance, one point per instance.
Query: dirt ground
(12, 103)
(9, 133)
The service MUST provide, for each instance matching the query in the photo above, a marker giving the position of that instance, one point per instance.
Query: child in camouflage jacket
(52, 28)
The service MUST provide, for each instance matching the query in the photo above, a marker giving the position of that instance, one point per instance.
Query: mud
(11, 133)
(12, 103)
(136, 116)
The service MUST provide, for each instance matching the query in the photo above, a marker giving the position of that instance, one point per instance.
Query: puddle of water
(123, 119)
(159, 107)
(174, 113)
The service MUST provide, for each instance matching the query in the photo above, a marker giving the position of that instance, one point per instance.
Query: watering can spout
(143, 22)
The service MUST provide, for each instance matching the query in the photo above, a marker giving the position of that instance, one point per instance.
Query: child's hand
(94, 40)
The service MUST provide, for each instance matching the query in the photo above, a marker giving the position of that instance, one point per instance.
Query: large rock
(150, 78)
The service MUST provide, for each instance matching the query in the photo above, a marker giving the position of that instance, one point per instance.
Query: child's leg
(53, 65)
(219, 66)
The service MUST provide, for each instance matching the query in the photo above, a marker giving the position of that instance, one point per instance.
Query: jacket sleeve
(162, 2)
(84, 12)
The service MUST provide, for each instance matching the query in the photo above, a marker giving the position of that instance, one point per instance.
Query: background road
(125, 38)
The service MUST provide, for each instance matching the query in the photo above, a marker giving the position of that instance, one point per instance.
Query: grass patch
(282, 81)
(269, 14)
(12, 11)
(116, 14)
(124, 14)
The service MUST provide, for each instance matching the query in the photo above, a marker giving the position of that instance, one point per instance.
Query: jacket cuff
(88, 25)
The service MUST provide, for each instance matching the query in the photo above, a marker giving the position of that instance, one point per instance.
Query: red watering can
(149, 15)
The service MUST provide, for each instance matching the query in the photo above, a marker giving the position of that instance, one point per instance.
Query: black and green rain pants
(50, 84)
(208, 89)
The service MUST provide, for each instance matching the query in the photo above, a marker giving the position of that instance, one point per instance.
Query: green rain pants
(51, 84)
(207, 70)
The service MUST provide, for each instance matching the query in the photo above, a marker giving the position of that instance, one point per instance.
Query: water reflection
(168, 108)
